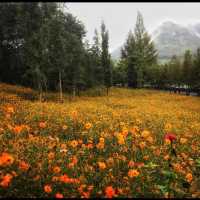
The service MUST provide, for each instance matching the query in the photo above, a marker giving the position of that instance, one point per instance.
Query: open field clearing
(133, 143)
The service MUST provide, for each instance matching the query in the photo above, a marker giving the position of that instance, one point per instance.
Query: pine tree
(105, 58)
(128, 53)
(187, 68)
(146, 54)
(196, 72)
(96, 60)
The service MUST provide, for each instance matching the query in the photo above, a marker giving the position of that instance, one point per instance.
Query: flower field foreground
(134, 143)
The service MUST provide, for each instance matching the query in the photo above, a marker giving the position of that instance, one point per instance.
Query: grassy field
(133, 143)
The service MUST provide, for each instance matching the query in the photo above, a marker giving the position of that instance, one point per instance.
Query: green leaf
(163, 188)
(169, 174)
(198, 162)
(151, 165)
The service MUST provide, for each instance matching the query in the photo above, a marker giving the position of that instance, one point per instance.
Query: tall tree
(105, 58)
(196, 71)
(146, 54)
(128, 54)
(187, 68)
(96, 60)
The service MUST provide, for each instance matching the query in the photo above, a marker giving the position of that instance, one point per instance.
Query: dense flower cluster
(124, 145)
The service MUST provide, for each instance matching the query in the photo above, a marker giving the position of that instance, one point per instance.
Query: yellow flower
(168, 127)
(183, 140)
(102, 165)
(120, 138)
(145, 134)
(133, 173)
(88, 125)
(101, 140)
(142, 145)
(74, 143)
(150, 139)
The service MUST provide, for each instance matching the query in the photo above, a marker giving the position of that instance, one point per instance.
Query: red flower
(110, 192)
(170, 136)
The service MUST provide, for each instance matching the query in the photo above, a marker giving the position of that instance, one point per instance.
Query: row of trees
(178, 73)
(138, 66)
(42, 46)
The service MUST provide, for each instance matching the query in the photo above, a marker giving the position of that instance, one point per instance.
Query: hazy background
(121, 17)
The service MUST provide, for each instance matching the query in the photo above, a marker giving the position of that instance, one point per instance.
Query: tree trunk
(60, 87)
(74, 91)
(40, 92)
(107, 90)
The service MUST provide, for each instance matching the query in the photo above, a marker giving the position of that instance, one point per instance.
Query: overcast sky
(121, 17)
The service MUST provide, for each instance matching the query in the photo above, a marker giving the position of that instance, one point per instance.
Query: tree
(96, 60)
(105, 58)
(128, 54)
(195, 74)
(187, 68)
(146, 55)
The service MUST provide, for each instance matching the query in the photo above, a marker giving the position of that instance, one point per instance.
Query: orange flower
(17, 129)
(6, 159)
(24, 166)
(101, 140)
(100, 145)
(10, 109)
(59, 196)
(133, 173)
(65, 179)
(88, 125)
(73, 162)
(56, 169)
(64, 127)
(51, 155)
(47, 188)
(146, 157)
(102, 165)
(166, 157)
(74, 143)
(6, 180)
(189, 177)
(131, 163)
(86, 195)
(90, 187)
(125, 132)
(110, 192)
(74, 115)
(42, 125)
(134, 130)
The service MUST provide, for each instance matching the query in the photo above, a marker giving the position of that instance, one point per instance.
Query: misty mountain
(172, 39)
